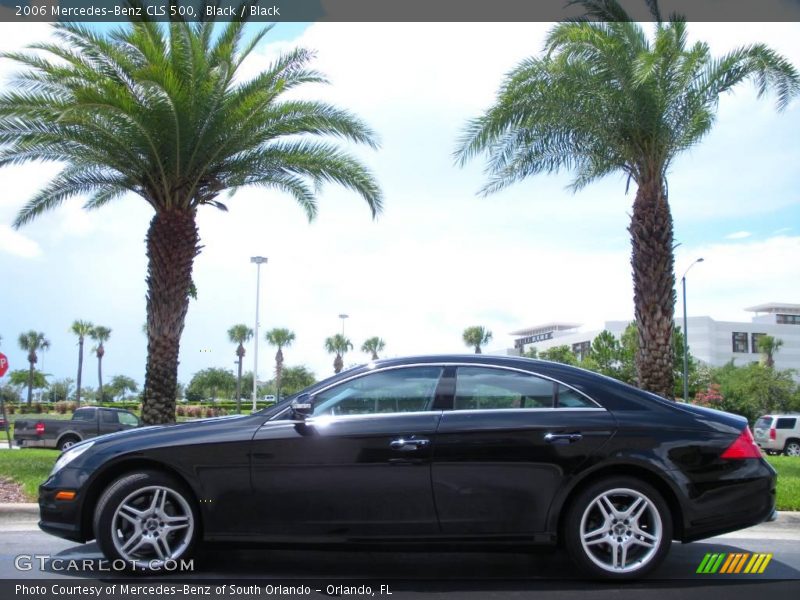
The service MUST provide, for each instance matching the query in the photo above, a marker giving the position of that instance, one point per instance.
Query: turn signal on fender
(65, 495)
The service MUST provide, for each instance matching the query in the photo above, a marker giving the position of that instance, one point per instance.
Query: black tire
(159, 536)
(67, 442)
(792, 448)
(643, 541)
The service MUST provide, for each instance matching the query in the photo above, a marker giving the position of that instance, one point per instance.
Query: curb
(19, 511)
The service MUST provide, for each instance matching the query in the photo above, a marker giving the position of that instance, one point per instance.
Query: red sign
(3, 364)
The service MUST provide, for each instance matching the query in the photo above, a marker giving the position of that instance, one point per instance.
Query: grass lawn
(29, 467)
(788, 468)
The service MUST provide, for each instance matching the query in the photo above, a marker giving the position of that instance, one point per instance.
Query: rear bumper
(731, 504)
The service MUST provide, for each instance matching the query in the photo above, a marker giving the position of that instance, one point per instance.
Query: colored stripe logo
(741, 562)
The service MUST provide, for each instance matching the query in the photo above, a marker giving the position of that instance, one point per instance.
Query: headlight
(70, 455)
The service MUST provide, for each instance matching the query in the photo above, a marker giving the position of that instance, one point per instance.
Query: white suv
(778, 433)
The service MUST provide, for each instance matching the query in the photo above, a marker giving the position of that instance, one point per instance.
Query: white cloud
(738, 235)
(440, 258)
(14, 243)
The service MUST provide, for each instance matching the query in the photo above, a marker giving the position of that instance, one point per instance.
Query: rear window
(786, 423)
(84, 414)
(764, 423)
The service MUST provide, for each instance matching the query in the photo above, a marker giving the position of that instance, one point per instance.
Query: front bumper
(62, 518)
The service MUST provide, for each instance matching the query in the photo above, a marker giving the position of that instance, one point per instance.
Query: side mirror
(302, 407)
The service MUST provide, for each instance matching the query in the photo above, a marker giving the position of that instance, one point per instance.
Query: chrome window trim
(597, 407)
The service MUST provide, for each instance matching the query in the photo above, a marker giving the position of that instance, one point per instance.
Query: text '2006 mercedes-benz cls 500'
(425, 449)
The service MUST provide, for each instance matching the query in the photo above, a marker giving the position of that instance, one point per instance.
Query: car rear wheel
(67, 442)
(792, 448)
(147, 520)
(618, 528)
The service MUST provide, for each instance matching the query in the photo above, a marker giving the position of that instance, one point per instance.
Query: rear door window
(786, 423)
(483, 388)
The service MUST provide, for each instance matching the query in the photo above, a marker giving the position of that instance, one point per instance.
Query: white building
(710, 341)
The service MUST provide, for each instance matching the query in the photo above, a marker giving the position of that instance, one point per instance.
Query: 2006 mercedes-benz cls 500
(448, 449)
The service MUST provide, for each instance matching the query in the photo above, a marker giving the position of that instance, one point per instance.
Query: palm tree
(476, 336)
(239, 334)
(768, 346)
(163, 112)
(338, 345)
(604, 99)
(282, 338)
(81, 329)
(30, 342)
(100, 335)
(372, 346)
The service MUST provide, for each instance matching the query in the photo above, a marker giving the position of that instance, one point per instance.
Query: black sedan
(434, 449)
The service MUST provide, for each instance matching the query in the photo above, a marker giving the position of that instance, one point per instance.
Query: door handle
(562, 438)
(406, 445)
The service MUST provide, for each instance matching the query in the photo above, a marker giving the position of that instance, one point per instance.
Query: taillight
(743, 447)
(39, 428)
(772, 434)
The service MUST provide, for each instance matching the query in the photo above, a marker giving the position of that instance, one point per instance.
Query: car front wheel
(147, 520)
(618, 528)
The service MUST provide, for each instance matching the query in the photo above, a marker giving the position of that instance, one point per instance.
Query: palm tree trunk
(477, 349)
(653, 287)
(172, 244)
(80, 371)
(278, 373)
(239, 383)
(338, 363)
(30, 378)
(100, 372)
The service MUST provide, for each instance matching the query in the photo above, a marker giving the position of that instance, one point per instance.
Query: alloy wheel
(792, 449)
(621, 530)
(152, 525)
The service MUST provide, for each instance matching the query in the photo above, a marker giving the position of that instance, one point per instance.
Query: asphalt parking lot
(507, 573)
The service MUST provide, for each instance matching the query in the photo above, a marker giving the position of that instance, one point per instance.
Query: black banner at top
(382, 10)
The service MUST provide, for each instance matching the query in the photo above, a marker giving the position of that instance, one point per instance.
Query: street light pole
(686, 336)
(343, 317)
(258, 260)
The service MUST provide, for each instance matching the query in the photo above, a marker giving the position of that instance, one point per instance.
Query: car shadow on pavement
(503, 569)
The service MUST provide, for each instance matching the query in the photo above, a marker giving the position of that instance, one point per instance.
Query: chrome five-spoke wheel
(152, 524)
(619, 527)
(146, 519)
(621, 530)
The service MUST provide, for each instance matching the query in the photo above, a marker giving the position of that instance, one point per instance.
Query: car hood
(155, 432)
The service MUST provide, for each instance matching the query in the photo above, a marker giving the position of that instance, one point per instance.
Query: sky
(440, 257)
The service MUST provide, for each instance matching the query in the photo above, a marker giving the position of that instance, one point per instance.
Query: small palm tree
(282, 338)
(239, 334)
(338, 345)
(30, 342)
(476, 336)
(372, 346)
(100, 335)
(82, 329)
(164, 113)
(606, 99)
(768, 346)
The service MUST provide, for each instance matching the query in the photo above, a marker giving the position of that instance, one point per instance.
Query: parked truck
(86, 422)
